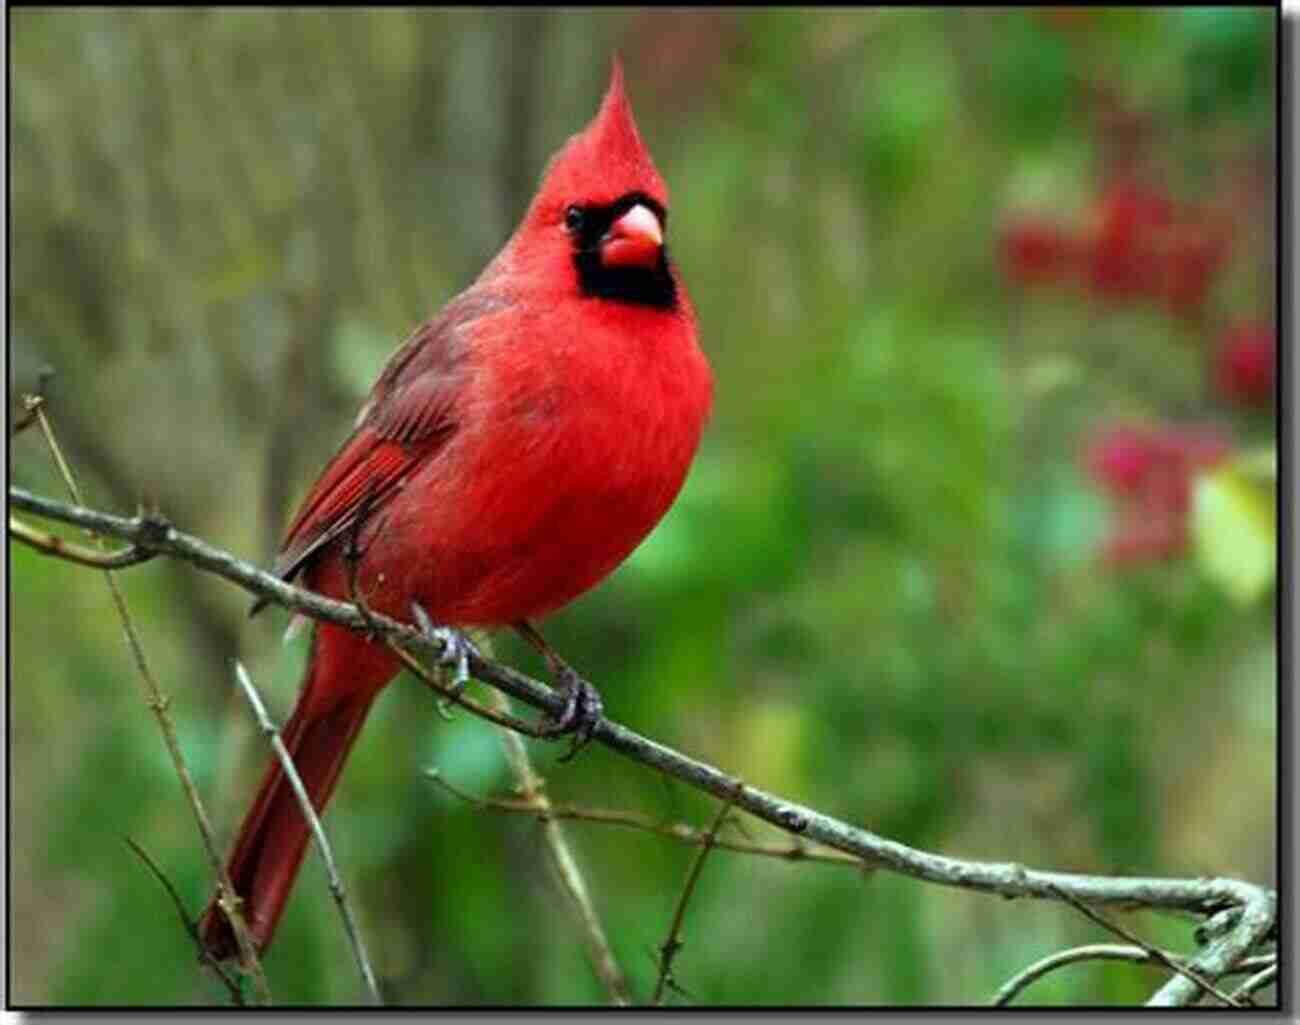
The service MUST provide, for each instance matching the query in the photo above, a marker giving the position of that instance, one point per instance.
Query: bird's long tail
(343, 676)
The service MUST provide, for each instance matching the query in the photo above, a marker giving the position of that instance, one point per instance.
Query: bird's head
(602, 209)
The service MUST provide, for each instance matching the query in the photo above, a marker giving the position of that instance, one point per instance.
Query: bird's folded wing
(407, 421)
(357, 483)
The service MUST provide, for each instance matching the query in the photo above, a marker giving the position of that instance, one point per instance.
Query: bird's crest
(605, 161)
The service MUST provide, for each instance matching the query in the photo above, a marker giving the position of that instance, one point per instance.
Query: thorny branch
(1254, 907)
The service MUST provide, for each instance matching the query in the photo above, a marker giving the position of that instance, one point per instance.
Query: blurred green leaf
(1029, 73)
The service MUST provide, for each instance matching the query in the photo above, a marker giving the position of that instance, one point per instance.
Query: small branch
(566, 866)
(1256, 982)
(226, 896)
(680, 831)
(673, 944)
(1154, 952)
(23, 422)
(61, 548)
(188, 923)
(32, 403)
(1108, 952)
(1092, 952)
(318, 831)
(1208, 897)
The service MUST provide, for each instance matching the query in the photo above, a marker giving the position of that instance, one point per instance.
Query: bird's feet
(583, 708)
(582, 711)
(457, 648)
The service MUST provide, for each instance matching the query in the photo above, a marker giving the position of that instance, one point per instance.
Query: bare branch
(1257, 921)
(226, 896)
(681, 831)
(1092, 952)
(1257, 904)
(1154, 952)
(32, 403)
(61, 548)
(1265, 977)
(566, 866)
(451, 695)
(602, 956)
(673, 944)
(188, 924)
(318, 830)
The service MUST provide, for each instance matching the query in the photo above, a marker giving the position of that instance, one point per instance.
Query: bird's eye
(573, 219)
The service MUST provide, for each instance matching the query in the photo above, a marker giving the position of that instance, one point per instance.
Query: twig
(1092, 952)
(318, 831)
(23, 422)
(1155, 953)
(687, 834)
(226, 896)
(566, 866)
(673, 944)
(1257, 982)
(61, 548)
(188, 923)
(32, 403)
(1257, 904)
(1107, 952)
(598, 948)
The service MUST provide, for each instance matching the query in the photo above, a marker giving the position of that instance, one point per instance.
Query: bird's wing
(408, 419)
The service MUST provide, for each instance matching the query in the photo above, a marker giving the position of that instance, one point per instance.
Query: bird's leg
(456, 647)
(583, 707)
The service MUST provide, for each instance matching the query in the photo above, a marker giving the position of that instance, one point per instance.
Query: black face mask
(643, 286)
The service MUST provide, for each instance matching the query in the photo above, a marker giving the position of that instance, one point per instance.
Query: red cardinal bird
(512, 453)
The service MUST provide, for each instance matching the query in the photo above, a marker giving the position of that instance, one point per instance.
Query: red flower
(1192, 255)
(1123, 253)
(1245, 365)
(1149, 471)
(1144, 246)
(1120, 460)
(1034, 250)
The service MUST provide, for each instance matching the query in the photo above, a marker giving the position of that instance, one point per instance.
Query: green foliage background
(878, 593)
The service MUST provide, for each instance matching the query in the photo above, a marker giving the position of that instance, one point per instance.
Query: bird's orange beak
(634, 240)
